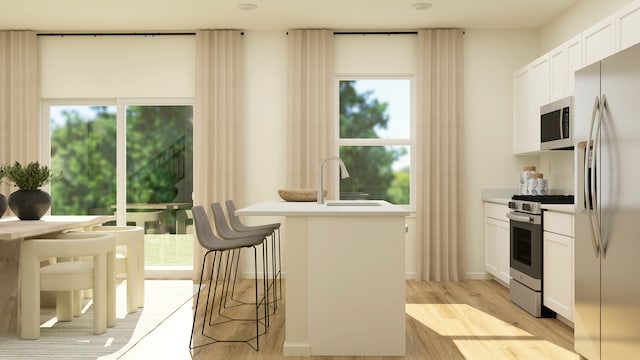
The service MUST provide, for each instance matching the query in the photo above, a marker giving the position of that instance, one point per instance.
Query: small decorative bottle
(536, 185)
(524, 177)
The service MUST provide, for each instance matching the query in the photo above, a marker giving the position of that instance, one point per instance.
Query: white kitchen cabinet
(628, 26)
(599, 41)
(564, 61)
(496, 231)
(558, 279)
(573, 47)
(531, 88)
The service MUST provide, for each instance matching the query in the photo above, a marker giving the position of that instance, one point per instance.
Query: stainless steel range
(526, 286)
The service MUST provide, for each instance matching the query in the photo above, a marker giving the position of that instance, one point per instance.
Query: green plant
(30, 177)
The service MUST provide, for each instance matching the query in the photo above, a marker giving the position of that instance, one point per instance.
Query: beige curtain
(439, 145)
(311, 129)
(19, 98)
(218, 119)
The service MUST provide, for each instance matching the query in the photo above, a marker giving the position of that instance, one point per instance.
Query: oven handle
(521, 218)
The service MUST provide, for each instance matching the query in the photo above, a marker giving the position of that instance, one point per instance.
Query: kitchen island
(344, 266)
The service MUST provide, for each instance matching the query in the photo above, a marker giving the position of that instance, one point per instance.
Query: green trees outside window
(374, 146)
(83, 146)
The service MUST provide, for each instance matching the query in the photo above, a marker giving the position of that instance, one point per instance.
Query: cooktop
(546, 199)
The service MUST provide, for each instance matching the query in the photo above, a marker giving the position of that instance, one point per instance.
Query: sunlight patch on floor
(478, 335)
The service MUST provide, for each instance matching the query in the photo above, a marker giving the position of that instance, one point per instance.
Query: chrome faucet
(343, 171)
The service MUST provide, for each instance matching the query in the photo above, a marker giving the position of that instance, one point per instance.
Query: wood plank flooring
(445, 320)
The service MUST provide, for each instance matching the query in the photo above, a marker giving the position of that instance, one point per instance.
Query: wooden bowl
(299, 195)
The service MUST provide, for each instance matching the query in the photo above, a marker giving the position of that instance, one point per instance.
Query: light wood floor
(445, 320)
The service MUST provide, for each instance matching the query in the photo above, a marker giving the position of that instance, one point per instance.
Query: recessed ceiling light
(421, 5)
(247, 6)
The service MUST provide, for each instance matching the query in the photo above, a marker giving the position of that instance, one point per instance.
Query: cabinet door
(558, 274)
(628, 26)
(574, 61)
(539, 88)
(599, 41)
(497, 249)
(559, 72)
(531, 90)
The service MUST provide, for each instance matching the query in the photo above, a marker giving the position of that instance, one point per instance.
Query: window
(376, 139)
(131, 159)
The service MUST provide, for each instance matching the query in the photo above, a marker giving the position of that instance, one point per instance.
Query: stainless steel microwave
(556, 125)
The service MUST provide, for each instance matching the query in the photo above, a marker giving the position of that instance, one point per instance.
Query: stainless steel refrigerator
(607, 242)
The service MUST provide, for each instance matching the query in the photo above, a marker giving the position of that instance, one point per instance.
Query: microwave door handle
(587, 179)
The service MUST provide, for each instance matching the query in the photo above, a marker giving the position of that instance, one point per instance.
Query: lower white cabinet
(496, 237)
(558, 279)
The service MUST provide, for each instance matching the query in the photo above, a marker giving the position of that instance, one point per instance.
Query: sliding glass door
(134, 160)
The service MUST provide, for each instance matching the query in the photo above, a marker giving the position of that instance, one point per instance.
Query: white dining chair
(129, 261)
(65, 277)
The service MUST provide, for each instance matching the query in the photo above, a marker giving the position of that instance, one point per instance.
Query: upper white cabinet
(531, 86)
(552, 76)
(628, 26)
(564, 61)
(599, 41)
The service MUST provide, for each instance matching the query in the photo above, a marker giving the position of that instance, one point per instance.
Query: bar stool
(66, 277)
(130, 261)
(273, 228)
(226, 233)
(217, 248)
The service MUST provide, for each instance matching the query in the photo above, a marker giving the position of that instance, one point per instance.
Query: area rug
(75, 339)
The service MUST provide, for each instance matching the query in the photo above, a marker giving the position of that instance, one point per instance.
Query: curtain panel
(311, 125)
(439, 144)
(218, 120)
(19, 98)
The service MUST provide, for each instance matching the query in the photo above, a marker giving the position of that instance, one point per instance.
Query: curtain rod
(117, 34)
(375, 33)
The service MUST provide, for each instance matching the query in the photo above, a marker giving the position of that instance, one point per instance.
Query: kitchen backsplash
(557, 167)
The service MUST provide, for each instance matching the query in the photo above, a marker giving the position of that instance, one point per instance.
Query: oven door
(526, 244)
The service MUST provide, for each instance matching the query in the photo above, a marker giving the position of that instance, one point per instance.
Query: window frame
(410, 141)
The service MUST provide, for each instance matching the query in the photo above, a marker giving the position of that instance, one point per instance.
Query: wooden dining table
(12, 232)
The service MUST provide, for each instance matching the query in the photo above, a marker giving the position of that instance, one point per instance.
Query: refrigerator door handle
(594, 188)
(588, 176)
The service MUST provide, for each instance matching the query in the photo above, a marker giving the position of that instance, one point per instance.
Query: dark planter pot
(3, 204)
(29, 204)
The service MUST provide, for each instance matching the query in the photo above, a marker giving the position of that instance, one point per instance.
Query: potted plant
(3, 199)
(29, 202)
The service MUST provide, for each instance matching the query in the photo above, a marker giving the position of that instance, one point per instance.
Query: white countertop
(284, 208)
(497, 200)
(565, 208)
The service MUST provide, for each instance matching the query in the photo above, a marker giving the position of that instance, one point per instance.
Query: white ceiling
(189, 15)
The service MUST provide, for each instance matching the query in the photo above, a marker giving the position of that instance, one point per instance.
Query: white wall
(490, 59)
